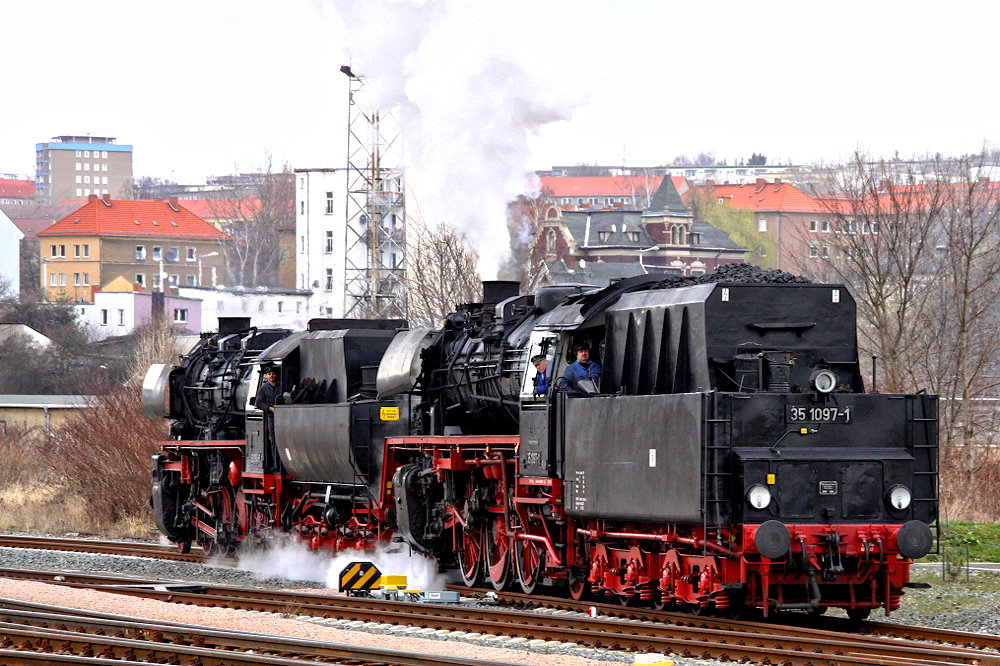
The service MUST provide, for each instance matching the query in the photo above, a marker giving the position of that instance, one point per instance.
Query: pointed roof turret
(667, 201)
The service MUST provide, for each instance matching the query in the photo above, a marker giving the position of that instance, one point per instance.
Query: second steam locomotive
(728, 457)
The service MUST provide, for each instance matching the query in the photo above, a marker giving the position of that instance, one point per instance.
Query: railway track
(643, 631)
(127, 548)
(37, 633)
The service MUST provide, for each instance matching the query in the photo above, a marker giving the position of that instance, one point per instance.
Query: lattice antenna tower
(375, 266)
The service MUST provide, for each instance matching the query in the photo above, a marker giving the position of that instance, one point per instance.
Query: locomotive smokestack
(496, 291)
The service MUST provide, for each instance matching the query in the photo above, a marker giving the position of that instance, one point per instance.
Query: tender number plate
(797, 414)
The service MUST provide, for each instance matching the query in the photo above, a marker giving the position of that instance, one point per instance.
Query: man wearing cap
(269, 395)
(582, 368)
(541, 377)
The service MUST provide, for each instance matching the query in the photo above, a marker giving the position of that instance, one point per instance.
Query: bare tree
(918, 244)
(440, 273)
(257, 207)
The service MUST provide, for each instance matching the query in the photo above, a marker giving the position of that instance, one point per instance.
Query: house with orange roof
(16, 192)
(802, 226)
(154, 244)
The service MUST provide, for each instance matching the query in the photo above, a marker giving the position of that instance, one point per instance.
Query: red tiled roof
(145, 218)
(767, 197)
(604, 186)
(24, 189)
(216, 209)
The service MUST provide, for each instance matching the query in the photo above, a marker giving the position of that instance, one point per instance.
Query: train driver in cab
(582, 369)
(541, 374)
(269, 395)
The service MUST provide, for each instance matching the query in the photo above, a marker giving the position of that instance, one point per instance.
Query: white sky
(200, 86)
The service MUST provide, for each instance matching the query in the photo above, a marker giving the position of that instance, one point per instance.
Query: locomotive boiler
(727, 458)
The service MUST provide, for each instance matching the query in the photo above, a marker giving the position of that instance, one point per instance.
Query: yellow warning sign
(389, 413)
(359, 576)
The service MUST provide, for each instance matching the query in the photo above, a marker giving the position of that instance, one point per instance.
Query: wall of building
(321, 233)
(64, 167)
(10, 254)
(266, 307)
(119, 313)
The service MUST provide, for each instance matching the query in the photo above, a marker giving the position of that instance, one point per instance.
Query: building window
(298, 307)
(329, 203)
(603, 236)
(175, 280)
(76, 251)
(157, 253)
(78, 167)
(190, 254)
(86, 166)
(813, 251)
(633, 236)
(762, 224)
(221, 307)
(104, 317)
(104, 180)
(281, 306)
(302, 243)
(140, 279)
(550, 241)
(86, 180)
(826, 252)
(302, 207)
(329, 242)
(76, 279)
(78, 153)
(62, 279)
(86, 153)
(302, 182)
(174, 254)
(140, 252)
(157, 281)
(86, 279)
(79, 192)
(260, 305)
(180, 315)
(190, 280)
(329, 279)
(813, 226)
(121, 317)
(86, 251)
(79, 179)
(53, 280)
(826, 226)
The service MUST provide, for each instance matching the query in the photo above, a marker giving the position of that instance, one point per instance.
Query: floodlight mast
(374, 266)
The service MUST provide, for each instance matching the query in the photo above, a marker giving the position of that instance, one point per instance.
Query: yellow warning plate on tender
(389, 413)
(359, 576)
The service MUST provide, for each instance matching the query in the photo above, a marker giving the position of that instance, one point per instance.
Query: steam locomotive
(729, 458)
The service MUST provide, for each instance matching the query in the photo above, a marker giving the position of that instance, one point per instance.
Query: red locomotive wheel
(529, 557)
(498, 555)
(221, 504)
(469, 552)
(578, 585)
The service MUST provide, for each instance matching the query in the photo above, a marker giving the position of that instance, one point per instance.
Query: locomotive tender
(729, 459)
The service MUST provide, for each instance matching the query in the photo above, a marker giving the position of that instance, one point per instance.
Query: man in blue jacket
(582, 368)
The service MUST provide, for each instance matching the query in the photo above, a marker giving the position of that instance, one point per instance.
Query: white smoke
(472, 83)
(294, 561)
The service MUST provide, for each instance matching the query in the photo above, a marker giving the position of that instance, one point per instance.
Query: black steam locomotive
(727, 458)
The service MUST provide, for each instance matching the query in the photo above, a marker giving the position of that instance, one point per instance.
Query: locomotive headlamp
(823, 381)
(759, 496)
(898, 497)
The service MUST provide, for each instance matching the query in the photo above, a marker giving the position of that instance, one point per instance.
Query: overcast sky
(201, 87)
